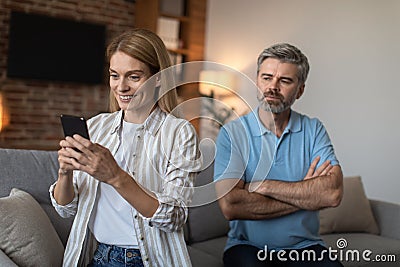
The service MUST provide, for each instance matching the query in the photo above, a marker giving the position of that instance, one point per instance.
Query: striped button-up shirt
(165, 162)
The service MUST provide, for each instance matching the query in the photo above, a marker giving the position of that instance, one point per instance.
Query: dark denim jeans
(113, 256)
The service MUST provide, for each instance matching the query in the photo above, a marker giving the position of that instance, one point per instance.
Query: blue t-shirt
(249, 151)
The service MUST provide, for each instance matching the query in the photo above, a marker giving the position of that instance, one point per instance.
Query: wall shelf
(191, 35)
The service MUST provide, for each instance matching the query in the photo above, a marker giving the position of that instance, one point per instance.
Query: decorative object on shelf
(172, 7)
(217, 83)
(220, 86)
(168, 30)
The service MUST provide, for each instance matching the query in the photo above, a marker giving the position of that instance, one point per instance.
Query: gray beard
(274, 108)
(271, 108)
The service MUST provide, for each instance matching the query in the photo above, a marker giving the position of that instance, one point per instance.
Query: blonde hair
(147, 47)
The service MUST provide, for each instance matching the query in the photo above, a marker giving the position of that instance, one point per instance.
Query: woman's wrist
(120, 179)
(64, 172)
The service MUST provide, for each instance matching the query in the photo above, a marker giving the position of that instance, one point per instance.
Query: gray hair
(289, 54)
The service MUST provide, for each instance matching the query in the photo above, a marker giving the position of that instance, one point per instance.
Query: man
(275, 168)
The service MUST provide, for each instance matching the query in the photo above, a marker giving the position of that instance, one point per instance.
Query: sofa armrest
(387, 216)
(5, 261)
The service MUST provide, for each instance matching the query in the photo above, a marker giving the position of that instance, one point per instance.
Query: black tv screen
(47, 48)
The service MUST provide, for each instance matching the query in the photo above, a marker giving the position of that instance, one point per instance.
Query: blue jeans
(113, 256)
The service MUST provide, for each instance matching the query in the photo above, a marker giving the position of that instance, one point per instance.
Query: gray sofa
(205, 231)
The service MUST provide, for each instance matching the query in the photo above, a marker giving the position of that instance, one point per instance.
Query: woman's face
(127, 74)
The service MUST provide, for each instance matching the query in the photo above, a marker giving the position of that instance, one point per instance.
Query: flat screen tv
(54, 49)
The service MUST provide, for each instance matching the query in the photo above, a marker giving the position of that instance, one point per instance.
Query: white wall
(354, 84)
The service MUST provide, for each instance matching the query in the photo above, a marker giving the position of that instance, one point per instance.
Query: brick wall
(31, 108)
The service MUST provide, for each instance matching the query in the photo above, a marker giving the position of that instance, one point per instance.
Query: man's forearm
(311, 194)
(256, 207)
(239, 203)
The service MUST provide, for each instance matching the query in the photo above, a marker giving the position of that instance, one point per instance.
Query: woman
(131, 182)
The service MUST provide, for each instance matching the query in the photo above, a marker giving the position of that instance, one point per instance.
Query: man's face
(278, 85)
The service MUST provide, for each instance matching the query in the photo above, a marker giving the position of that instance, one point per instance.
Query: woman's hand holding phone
(72, 125)
(92, 158)
(65, 154)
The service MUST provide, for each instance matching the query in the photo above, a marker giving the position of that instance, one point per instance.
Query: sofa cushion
(200, 258)
(205, 219)
(206, 222)
(30, 170)
(386, 215)
(353, 244)
(26, 233)
(354, 213)
(214, 247)
(39, 171)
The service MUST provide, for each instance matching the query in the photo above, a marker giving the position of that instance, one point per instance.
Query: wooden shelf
(180, 18)
(179, 51)
(192, 35)
(192, 28)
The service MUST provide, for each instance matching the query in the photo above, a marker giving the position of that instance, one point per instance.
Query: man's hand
(322, 170)
(320, 188)
(237, 203)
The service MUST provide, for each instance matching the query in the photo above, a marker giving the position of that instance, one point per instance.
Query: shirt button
(146, 259)
(136, 216)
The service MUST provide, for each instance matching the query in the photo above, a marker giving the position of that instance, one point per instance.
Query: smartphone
(74, 125)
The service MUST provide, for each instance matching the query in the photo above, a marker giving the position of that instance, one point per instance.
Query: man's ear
(301, 91)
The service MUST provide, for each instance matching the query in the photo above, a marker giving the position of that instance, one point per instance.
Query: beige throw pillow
(354, 213)
(26, 233)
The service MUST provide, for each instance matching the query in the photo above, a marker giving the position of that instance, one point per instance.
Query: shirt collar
(154, 121)
(151, 124)
(117, 122)
(294, 124)
(257, 128)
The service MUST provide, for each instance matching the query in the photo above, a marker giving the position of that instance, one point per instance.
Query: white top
(112, 218)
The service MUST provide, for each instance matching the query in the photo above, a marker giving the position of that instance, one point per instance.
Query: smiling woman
(127, 76)
(145, 49)
(129, 185)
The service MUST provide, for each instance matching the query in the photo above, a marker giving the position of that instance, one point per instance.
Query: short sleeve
(323, 146)
(228, 159)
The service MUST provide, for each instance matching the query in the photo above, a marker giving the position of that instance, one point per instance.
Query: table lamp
(216, 84)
